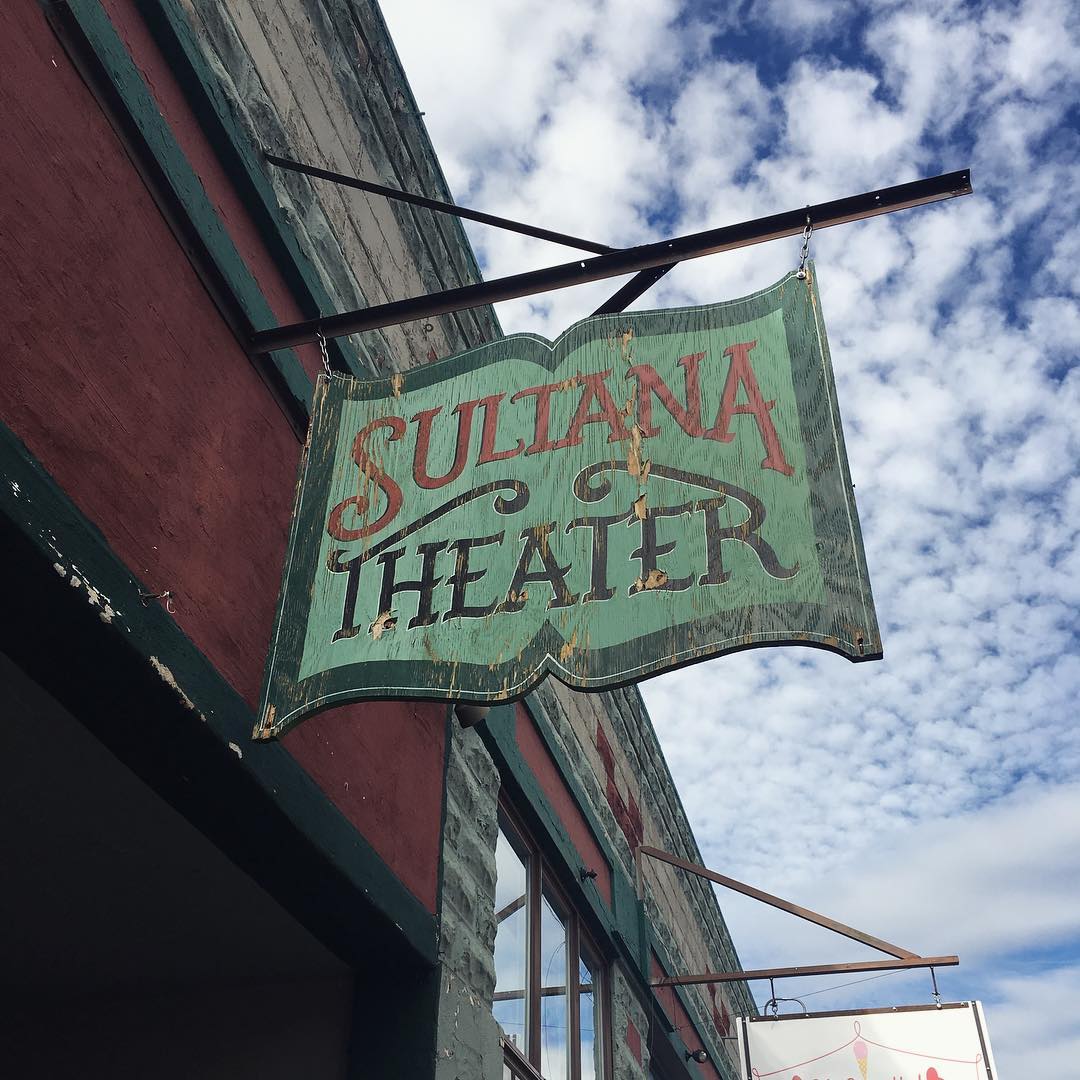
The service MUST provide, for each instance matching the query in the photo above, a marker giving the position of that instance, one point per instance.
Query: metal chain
(324, 353)
(936, 995)
(808, 231)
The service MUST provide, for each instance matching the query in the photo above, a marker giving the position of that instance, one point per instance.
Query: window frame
(540, 877)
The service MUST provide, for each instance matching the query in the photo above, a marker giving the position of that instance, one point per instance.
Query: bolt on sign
(652, 490)
(917, 1042)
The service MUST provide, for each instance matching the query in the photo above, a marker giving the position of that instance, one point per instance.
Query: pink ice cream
(861, 1054)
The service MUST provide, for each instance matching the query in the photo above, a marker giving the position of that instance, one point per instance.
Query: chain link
(808, 231)
(324, 352)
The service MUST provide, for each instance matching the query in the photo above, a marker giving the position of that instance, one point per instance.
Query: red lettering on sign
(358, 503)
(487, 435)
(595, 390)
(649, 382)
(742, 374)
(541, 440)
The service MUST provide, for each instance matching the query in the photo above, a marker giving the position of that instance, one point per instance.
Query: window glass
(589, 1018)
(554, 1006)
(511, 1006)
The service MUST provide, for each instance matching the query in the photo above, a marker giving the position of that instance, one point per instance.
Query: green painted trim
(633, 926)
(625, 930)
(124, 667)
(708, 1042)
(101, 39)
(738, 989)
(627, 910)
(531, 802)
(618, 932)
(544, 726)
(171, 29)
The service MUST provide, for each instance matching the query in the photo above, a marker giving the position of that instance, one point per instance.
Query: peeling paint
(169, 680)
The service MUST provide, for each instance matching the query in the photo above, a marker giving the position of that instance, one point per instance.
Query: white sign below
(922, 1042)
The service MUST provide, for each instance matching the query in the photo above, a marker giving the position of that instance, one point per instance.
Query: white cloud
(933, 795)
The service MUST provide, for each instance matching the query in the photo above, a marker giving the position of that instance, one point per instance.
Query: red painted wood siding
(547, 775)
(680, 1019)
(124, 382)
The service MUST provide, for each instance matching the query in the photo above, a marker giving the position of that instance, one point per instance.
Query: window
(549, 990)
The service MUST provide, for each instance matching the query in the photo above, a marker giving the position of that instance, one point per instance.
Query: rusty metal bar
(617, 263)
(812, 969)
(777, 902)
(439, 206)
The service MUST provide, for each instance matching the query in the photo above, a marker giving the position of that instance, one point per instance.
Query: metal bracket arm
(438, 205)
(777, 902)
(811, 969)
(617, 263)
(903, 958)
(626, 295)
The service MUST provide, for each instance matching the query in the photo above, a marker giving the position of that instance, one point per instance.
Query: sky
(931, 798)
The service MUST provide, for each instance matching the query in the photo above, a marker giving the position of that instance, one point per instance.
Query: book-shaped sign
(653, 489)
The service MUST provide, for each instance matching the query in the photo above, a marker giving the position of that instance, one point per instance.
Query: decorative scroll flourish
(502, 504)
(593, 483)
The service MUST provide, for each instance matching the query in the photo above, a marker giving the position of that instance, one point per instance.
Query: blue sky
(932, 798)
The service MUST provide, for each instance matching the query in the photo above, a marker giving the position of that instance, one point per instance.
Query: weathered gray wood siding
(319, 81)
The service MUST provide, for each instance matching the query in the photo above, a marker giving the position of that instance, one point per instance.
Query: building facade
(391, 889)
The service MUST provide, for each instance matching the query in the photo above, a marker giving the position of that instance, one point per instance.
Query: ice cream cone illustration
(861, 1053)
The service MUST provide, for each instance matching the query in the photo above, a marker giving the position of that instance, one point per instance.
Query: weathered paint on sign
(654, 489)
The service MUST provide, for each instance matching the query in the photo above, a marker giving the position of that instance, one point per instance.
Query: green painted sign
(653, 489)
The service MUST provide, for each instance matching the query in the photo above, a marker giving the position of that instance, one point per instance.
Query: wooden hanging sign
(651, 490)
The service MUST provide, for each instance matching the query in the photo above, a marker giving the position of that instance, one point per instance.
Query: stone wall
(467, 1038)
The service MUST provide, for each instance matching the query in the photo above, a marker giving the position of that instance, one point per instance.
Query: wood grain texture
(525, 509)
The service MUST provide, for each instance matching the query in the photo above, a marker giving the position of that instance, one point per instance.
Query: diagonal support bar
(783, 905)
(438, 205)
(616, 263)
(638, 284)
(811, 969)
(626, 295)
